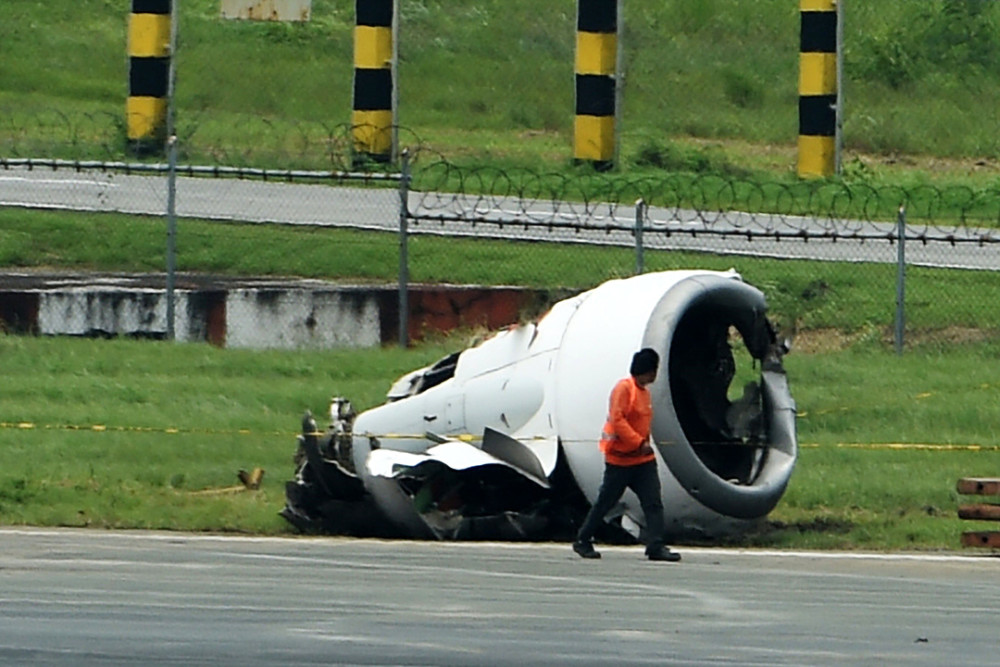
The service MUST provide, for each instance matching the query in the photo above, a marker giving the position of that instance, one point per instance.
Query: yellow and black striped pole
(596, 70)
(374, 107)
(818, 89)
(149, 36)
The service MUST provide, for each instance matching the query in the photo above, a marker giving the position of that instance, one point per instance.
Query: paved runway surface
(78, 597)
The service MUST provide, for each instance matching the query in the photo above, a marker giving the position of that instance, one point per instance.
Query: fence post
(900, 277)
(640, 222)
(172, 178)
(404, 270)
(171, 234)
(619, 79)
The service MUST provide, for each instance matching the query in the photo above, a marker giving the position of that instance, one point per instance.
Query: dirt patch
(780, 159)
(813, 341)
(825, 525)
(952, 335)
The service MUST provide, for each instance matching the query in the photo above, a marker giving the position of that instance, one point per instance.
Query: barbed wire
(601, 221)
(718, 205)
(581, 199)
(256, 141)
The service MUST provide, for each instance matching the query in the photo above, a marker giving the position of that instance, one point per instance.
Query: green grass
(230, 409)
(716, 80)
(864, 395)
(176, 423)
(873, 498)
(711, 93)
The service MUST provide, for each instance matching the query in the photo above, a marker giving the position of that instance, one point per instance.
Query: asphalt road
(497, 217)
(88, 597)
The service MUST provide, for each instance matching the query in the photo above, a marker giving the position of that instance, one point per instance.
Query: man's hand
(645, 448)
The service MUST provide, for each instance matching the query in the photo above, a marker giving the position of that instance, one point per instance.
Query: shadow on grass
(819, 531)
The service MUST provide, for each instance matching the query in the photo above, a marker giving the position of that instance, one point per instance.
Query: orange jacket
(630, 411)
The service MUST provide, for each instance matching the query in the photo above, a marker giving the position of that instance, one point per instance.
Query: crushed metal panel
(515, 454)
(267, 10)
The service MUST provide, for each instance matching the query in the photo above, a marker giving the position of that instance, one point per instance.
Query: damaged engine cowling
(499, 441)
(464, 494)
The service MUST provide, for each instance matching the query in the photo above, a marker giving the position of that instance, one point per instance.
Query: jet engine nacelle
(488, 439)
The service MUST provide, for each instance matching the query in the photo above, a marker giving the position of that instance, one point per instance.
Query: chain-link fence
(830, 279)
(829, 255)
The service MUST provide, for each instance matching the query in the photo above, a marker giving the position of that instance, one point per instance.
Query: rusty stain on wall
(267, 10)
(447, 309)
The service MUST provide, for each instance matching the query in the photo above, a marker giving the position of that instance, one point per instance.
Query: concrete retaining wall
(251, 313)
(295, 318)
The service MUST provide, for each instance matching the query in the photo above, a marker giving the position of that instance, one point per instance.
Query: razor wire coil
(445, 192)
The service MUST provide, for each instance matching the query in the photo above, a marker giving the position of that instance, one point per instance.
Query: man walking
(629, 460)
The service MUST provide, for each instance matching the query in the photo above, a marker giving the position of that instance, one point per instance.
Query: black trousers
(646, 483)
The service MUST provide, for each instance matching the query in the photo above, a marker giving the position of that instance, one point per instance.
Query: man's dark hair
(644, 361)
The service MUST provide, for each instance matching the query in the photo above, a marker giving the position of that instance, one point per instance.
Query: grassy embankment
(711, 89)
(711, 85)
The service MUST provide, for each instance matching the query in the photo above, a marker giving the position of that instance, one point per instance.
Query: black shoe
(664, 554)
(586, 550)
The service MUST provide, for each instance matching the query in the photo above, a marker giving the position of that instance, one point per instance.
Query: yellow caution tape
(102, 428)
(905, 446)
(464, 437)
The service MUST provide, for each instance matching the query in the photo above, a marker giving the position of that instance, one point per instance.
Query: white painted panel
(267, 10)
(289, 319)
(124, 312)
